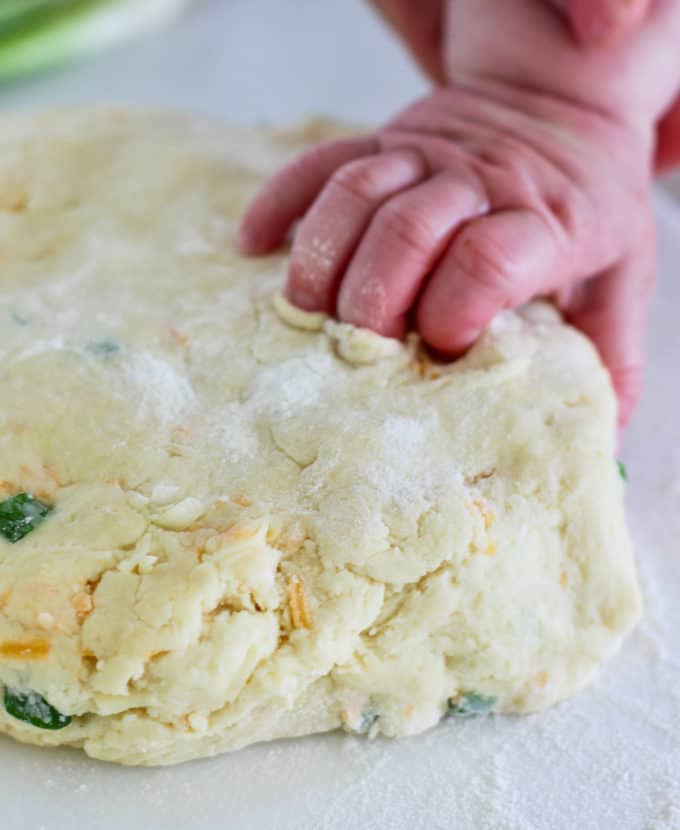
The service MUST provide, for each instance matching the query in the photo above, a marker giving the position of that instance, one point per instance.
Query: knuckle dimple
(408, 228)
(361, 180)
(485, 264)
(564, 210)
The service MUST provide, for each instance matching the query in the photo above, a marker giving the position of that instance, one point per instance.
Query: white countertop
(246, 60)
(608, 759)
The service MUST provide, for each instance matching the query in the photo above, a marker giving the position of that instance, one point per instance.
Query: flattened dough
(265, 523)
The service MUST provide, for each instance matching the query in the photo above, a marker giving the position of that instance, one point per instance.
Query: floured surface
(263, 524)
(610, 757)
(497, 779)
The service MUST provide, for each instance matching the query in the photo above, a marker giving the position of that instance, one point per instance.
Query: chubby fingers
(496, 262)
(399, 248)
(612, 310)
(288, 194)
(505, 259)
(333, 226)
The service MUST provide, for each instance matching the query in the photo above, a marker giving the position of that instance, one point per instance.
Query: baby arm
(526, 174)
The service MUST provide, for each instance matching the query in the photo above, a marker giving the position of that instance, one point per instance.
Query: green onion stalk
(37, 34)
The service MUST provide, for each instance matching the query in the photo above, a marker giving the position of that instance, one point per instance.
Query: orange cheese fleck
(299, 611)
(487, 515)
(239, 533)
(33, 649)
(83, 604)
(181, 337)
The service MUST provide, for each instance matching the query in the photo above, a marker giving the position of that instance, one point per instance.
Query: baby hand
(476, 199)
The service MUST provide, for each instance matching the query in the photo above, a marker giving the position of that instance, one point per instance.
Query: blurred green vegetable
(368, 718)
(104, 347)
(471, 703)
(36, 34)
(32, 708)
(20, 515)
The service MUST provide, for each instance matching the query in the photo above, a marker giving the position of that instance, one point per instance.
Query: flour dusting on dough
(251, 522)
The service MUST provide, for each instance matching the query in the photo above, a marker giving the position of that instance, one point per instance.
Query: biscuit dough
(237, 521)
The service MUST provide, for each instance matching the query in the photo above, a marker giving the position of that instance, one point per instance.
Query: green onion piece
(104, 347)
(623, 472)
(470, 703)
(16, 15)
(368, 717)
(32, 708)
(21, 514)
(35, 34)
(18, 319)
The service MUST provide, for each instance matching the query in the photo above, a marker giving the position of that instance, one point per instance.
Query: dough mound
(248, 522)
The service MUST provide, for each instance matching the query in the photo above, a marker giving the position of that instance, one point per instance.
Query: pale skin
(526, 173)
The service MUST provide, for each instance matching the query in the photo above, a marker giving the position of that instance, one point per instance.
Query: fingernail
(302, 299)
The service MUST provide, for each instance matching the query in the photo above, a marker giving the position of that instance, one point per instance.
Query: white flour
(234, 433)
(287, 389)
(159, 389)
(406, 434)
(607, 759)
(594, 764)
(403, 470)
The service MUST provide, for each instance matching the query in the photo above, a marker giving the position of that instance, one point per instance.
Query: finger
(668, 139)
(403, 241)
(333, 226)
(612, 311)
(597, 21)
(288, 194)
(496, 262)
